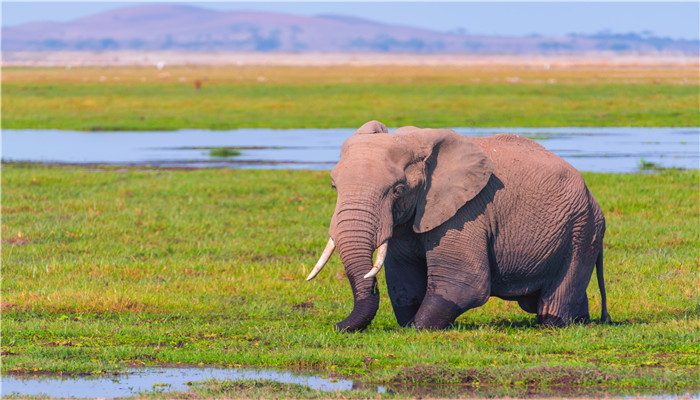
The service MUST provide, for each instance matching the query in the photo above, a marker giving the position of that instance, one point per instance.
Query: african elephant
(456, 220)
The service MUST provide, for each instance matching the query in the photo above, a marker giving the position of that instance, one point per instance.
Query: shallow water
(155, 379)
(138, 381)
(587, 149)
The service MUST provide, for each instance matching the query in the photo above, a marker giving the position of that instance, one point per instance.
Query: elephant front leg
(437, 312)
(454, 286)
(406, 280)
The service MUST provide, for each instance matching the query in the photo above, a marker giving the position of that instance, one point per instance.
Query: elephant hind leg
(554, 321)
(566, 301)
(565, 305)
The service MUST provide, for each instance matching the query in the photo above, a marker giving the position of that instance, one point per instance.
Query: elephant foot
(550, 321)
(405, 315)
(584, 319)
(436, 313)
(553, 321)
(361, 315)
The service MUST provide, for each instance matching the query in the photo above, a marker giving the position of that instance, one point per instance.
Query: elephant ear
(372, 127)
(456, 171)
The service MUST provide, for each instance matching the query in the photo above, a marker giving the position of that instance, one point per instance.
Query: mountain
(182, 27)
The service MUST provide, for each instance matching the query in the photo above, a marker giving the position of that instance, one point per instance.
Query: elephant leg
(566, 301)
(406, 280)
(529, 303)
(457, 282)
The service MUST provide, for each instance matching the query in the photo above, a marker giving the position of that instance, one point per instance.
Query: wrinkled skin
(465, 219)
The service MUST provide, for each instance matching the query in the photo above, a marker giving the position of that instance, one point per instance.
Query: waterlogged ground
(135, 381)
(256, 383)
(111, 268)
(587, 149)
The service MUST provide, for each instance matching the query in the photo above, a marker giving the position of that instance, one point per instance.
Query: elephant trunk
(355, 232)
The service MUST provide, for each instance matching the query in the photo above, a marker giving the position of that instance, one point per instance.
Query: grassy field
(140, 98)
(107, 268)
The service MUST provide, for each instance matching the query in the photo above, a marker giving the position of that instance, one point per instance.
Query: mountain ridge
(185, 27)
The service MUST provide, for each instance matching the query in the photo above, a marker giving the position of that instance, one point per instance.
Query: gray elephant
(456, 220)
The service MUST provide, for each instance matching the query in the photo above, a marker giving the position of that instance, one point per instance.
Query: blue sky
(669, 19)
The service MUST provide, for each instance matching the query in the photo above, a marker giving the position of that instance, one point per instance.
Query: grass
(649, 166)
(109, 268)
(131, 98)
(223, 152)
(265, 389)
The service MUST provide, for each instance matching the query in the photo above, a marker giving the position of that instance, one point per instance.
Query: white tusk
(379, 261)
(323, 260)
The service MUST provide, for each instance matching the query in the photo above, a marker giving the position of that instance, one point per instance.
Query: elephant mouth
(328, 251)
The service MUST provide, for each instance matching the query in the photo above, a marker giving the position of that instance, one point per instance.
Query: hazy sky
(671, 19)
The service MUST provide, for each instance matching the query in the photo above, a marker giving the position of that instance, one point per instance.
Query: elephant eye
(399, 190)
(333, 186)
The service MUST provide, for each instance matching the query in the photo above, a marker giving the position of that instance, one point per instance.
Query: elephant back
(522, 157)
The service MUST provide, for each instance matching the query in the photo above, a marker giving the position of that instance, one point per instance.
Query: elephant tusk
(323, 260)
(379, 261)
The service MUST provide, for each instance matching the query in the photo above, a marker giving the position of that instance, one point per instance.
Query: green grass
(223, 152)
(110, 268)
(89, 99)
(265, 389)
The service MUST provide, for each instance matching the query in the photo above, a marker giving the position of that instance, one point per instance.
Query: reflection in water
(587, 149)
(139, 381)
(160, 379)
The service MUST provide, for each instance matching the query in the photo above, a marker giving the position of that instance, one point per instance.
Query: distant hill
(181, 27)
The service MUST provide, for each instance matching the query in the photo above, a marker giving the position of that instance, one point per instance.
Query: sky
(678, 20)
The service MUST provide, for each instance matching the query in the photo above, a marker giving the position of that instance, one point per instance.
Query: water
(139, 381)
(587, 149)
(156, 379)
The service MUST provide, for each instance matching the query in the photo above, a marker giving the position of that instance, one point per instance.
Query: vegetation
(132, 98)
(224, 152)
(109, 268)
(264, 389)
(106, 268)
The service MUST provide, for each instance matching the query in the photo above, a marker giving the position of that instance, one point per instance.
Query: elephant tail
(604, 316)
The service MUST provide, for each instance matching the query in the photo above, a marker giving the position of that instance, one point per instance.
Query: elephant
(457, 219)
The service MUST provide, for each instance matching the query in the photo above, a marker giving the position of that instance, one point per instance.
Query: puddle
(155, 379)
(139, 381)
(587, 149)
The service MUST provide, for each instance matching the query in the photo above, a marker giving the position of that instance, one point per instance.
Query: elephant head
(417, 176)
